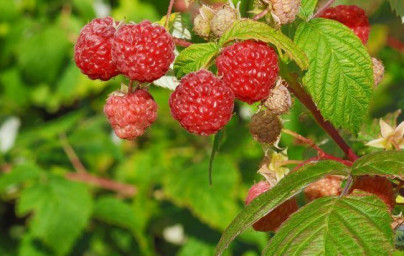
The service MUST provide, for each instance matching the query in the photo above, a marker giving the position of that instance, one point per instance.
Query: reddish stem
(181, 42)
(306, 100)
(320, 153)
(170, 8)
(395, 44)
(323, 8)
(261, 14)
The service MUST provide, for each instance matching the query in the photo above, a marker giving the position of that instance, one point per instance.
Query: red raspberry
(328, 186)
(249, 68)
(130, 114)
(378, 186)
(351, 16)
(143, 52)
(92, 51)
(274, 219)
(202, 103)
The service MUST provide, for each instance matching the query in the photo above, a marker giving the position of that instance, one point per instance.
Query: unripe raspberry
(328, 186)
(351, 16)
(285, 10)
(143, 52)
(378, 71)
(378, 186)
(279, 100)
(130, 114)
(265, 127)
(92, 52)
(249, 68)
(202, 22)
(202, 103)
(274, 219)
(223, 20)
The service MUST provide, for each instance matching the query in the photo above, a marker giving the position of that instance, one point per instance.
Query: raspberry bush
(125, 132)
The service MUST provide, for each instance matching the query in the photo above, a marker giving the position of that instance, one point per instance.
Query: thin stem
(306, 100)
(170, 8)
(123, 189)
(261, 14)
(130, 87)
(321, 154)
(82, 174)
(323, 8)
(181, 42)
(74, 159)
(347, 186)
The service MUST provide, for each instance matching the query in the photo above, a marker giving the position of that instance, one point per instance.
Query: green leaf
(194, 58)
(340, 77)
(61, 210)
(187, 186)
(388, 163)
(42, 55)
(336, 226)
(31, 247)
(398, 7)
(249, 29)
(215, 148)
(115, 211)
(288, 187)
(307, 8)
(19, 174)
(196, 247)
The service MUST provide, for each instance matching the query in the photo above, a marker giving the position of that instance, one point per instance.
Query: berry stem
(322, 9)
(321, 154)
(181, 42)
(170, 8)
(261, 14)
(304, 98)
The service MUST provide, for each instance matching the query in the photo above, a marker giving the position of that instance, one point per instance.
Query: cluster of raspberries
(142, 52)
(203, 103)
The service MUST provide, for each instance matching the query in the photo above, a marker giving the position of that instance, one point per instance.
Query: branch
(181, 42)
(261, 14)
(306, 100)
(320, 153)
(123, 189)
(323, 8)
(82, 175)
(170, 8)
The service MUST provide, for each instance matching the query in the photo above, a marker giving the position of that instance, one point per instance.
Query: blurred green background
(51, 119)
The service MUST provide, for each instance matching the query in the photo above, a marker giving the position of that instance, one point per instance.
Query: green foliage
(194, 58)
(398, 7)
(288, 187)
(336, 226)
(61, 210)
(389, 164)
(340, 77)
(248, 29)
(189, 187)
(307, 8)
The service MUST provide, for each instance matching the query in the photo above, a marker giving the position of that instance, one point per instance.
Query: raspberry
(351, 16)
(378, 186)
(249, 68)
(130, 114)
(202, 22)
(378, 71)
(285, 10)
(92, 51)
(265, 127)
(202, 103)
(143, 52)
(274, 219)
(279, 100)
(328, 186)
(223, 20)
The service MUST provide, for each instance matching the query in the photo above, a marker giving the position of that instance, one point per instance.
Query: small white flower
(390, 137)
